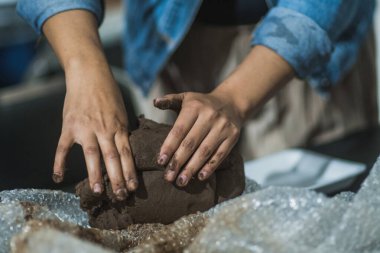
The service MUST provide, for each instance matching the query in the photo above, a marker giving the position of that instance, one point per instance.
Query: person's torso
(155, 28)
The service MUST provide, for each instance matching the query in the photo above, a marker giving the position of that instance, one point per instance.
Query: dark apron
(232, 12)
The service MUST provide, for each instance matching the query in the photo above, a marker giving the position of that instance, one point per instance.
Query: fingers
(216, 159)
(113, 166)
(211, 152)
(126, 158)
(201, 155)
(64, 144)
(172, 102)
(92, 156)
(186, 148)
(182, 126)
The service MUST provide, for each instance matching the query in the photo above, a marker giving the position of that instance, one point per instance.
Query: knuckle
(208, 112)
(195, 104)
(210, 167)
(91, 150)
(177, 131)
(117, 183)
(219, 156)
(188, 144)
(235, 132)
(130, 175)
(111, 155)
(205, 151)
(103, 130)
(126, 151)
(213, 114)
(122, 129)
(212, 163)
(224, 121)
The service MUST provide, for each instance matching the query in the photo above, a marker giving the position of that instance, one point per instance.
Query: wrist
(238, 103)
(84, 61)
(255, 80)
(85, 76)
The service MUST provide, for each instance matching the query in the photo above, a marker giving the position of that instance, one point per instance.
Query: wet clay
(156, 200)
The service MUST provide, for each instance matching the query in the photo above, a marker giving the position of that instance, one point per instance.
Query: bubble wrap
(174, 237)
(63, 205)
(274, 219)
(11, 222)
(53, 241)
(296, 220)
(251, 186)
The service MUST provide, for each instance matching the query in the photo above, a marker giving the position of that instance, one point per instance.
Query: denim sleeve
(303, 32)
(36, 12)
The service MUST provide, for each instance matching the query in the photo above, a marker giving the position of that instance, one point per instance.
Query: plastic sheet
(17, 206)
(63, 205)
(274, 219)
(296, 220)
(117, 240)
(251, 186)
(11, 222)
(49, 240)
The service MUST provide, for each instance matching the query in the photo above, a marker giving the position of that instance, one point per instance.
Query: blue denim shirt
(320, 39)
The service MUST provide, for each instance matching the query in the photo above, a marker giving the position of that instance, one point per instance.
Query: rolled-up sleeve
(36, 12)
(304, 32)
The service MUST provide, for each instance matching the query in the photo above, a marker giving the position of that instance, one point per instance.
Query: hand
(207, 128)
(94, 116)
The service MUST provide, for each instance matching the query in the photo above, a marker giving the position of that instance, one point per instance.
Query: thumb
(171, 101)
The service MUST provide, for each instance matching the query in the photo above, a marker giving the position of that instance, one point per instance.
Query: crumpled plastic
(296, 220)
(50, 240)
(11, 222)
(273, 219)
(65, 206)
(51, 205)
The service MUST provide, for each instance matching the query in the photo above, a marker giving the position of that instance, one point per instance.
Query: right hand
(94, 116)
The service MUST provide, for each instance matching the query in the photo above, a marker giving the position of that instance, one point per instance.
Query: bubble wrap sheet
(51, 205)
(296, 220)
(63, 205)
(274, 219)
(11, 222)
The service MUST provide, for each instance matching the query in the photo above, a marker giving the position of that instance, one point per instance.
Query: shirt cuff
(296, 38)
(37, 12)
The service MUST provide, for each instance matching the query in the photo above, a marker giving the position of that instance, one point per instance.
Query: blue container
(17, 45)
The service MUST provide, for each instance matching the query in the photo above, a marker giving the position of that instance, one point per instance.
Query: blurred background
(32, 91)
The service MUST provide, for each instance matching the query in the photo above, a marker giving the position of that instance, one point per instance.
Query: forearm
(75, 39)
(257, 78)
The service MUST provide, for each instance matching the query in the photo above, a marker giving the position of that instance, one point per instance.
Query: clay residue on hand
(156, 200)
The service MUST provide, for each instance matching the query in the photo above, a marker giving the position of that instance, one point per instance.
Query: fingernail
(132, 184)
(57, 178)
(97, 188)
(182, 180)
(121, 194)
(170, 175)
(202, 175)
(163, 159)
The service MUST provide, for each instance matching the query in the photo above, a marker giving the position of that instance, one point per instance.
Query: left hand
(207, 128)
